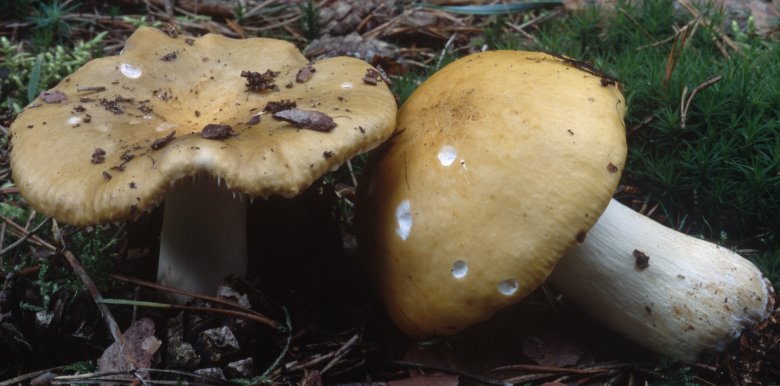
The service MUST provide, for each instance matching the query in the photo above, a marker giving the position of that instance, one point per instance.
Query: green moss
(31, 72)
(50, 23)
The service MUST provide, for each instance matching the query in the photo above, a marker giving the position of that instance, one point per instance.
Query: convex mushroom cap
(501, 161)
(110, 139)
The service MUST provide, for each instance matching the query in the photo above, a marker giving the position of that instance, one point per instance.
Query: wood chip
(53, 96)
(306, 119)
(159, 143)
(214, 131)
(305, 73)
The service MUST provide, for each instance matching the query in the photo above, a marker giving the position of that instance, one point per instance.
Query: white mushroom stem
(203, 236)
(694, 296)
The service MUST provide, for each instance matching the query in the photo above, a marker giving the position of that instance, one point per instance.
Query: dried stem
(244, 311)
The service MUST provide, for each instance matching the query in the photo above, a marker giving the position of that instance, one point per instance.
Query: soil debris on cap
(98, 156)
(215, 131)
(112, 106)
(371, 77)
(159, 143)
(126, 156)
(259, 82)
(145, 109)
(306, 119)
(255, 119)
(53, 96)
(605, 80)
(277, 106)
(170, 30)
(305, 73)
(169, 57)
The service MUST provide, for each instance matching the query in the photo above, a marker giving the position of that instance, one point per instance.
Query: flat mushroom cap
(502, 161)
(94, 148)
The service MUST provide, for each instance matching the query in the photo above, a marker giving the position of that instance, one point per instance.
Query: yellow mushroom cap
(83, 153)
(501, 161)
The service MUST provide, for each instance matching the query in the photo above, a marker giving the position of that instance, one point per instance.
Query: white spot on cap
(508, 287)
(463, 164)
(447, 155)
(130, 71)
(346, 85)
(404, 216)
(459, 269)
(74, 120)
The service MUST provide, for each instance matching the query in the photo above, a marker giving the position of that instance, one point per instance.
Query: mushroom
(205, 123)
(501, 161)
(672, 293)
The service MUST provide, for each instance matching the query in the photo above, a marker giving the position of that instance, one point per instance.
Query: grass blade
(495, 9)
(35, 79)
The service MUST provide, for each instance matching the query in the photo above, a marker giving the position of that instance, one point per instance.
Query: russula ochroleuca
(669, 292)
(501, 161)
(203, 123)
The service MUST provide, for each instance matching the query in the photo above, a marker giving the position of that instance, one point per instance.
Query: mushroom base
(203, 236)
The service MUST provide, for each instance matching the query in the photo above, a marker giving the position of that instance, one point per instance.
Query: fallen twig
(685, 104)
(708, 23)
(19, 231)
(340, 353)
(11, 190)
(243, 311)
(639, 125)
(23, 237)
(463, 374)
(113, 327)
(109, 377)
(25, 377)
(240, 314)
(550, 369)
(674, 54)
(545, 372)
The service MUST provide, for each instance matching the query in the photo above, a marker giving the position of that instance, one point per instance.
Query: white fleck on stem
(203, 237)
(672, 293)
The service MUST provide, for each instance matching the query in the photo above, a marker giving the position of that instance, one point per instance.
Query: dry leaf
(548, 349)
(306, 119)
(53, 96)
(140, 346)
